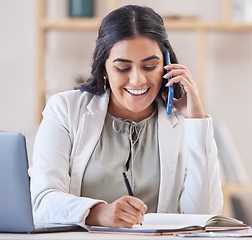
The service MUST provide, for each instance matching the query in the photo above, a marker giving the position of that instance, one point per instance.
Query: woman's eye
(149, 68)
(123, 69)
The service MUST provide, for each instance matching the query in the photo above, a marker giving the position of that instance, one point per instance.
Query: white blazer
(71, 126)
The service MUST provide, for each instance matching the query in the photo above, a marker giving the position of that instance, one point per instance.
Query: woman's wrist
(93, 216)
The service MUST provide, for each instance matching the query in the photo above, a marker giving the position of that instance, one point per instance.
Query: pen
(128, 186)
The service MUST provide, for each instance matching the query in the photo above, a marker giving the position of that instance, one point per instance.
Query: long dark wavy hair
(123, 23)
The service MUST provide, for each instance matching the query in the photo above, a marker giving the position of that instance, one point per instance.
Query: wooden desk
(80, 236)
(91, 236)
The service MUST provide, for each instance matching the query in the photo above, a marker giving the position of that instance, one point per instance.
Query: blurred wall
(17, 66)
(69, 53)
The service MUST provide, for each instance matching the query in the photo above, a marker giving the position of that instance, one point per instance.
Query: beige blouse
(125, 146)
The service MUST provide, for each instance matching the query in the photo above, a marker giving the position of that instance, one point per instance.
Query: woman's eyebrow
(150, 58)
(129, 61)
(122, 60)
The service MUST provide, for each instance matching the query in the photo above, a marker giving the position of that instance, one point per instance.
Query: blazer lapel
(92, 125)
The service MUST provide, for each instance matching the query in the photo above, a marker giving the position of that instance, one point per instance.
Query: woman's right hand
(124, 212)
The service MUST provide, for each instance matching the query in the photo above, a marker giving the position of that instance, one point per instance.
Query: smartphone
(170, 94)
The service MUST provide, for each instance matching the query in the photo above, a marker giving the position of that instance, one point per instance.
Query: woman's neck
(127, 114)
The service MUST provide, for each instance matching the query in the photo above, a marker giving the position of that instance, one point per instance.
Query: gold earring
(105, 83)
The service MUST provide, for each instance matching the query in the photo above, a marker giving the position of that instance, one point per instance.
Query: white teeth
(137, 92)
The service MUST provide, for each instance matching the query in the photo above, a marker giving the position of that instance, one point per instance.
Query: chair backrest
(242, 207)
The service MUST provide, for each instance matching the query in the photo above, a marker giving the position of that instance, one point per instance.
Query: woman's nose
(137, 78)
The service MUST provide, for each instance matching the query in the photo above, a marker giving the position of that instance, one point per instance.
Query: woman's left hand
(189, 105)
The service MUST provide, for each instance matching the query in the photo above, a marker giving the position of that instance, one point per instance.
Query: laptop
(15, 198)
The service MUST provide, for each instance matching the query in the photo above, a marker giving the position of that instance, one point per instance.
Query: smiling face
(134, 70)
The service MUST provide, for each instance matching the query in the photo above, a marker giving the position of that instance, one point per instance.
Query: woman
(117, 122)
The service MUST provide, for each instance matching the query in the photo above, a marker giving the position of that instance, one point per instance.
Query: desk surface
(91, 236)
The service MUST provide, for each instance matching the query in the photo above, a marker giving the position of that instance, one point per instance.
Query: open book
(167, 224)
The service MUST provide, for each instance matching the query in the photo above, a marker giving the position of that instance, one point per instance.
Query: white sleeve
(202, 187)
(50, 173)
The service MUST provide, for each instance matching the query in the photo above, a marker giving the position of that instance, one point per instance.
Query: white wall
(17, 66)
(228, 72)
(229, 84)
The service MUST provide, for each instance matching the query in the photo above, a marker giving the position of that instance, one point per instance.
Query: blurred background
(44, 48)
